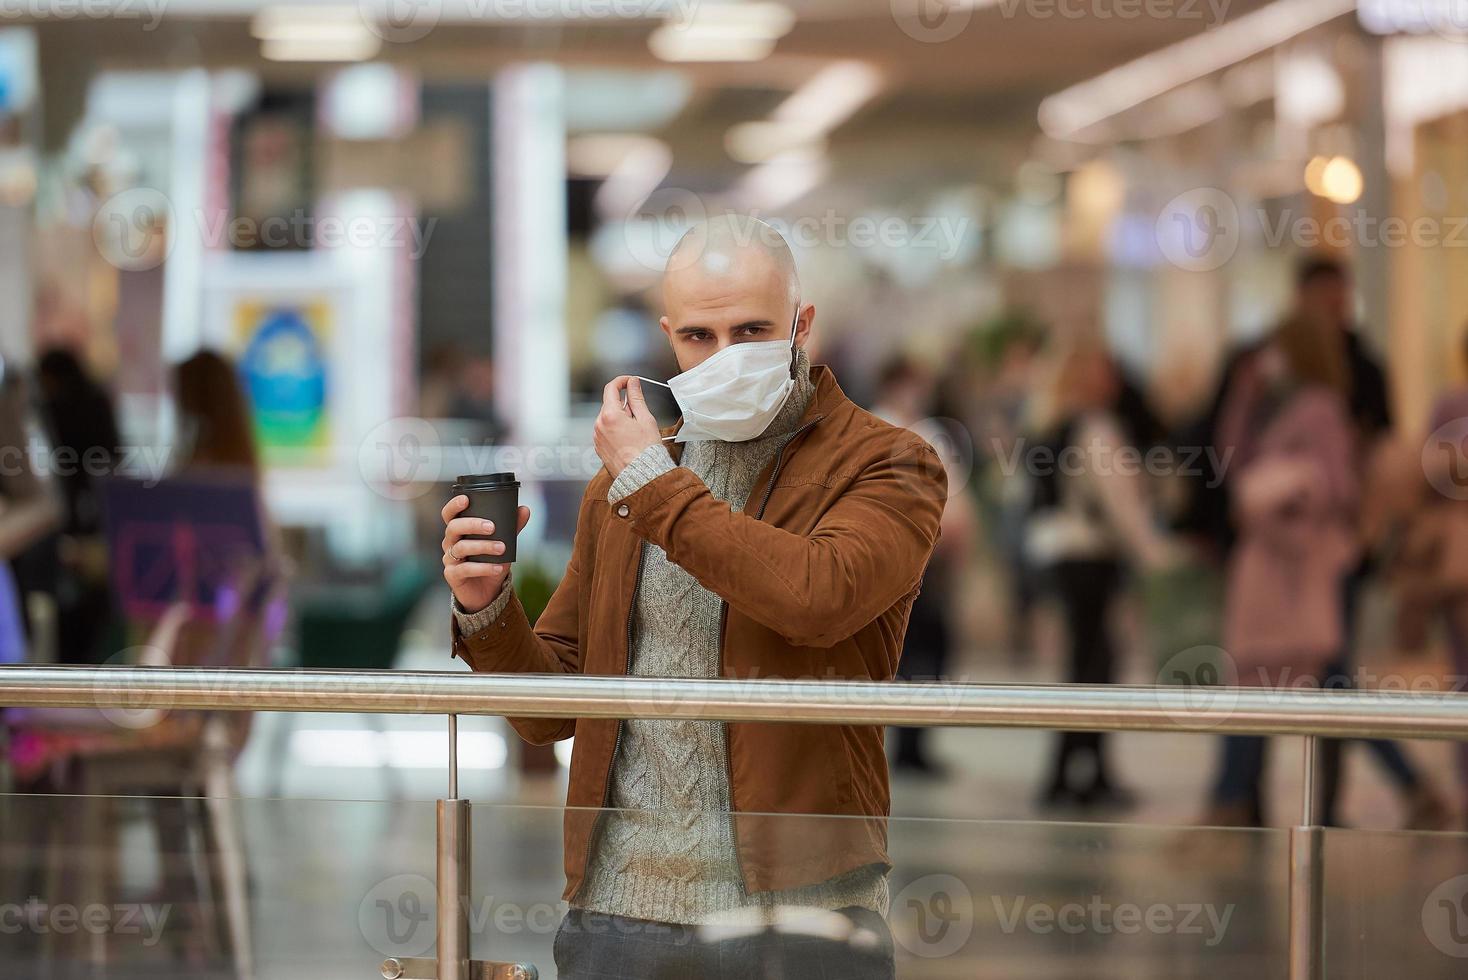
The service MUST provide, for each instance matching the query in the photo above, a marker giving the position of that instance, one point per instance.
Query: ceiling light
(830, 97)
(294, 23)
(756, 142)
(312, 50)
(723, 32)
(1067, 114)
(329, 33)
(1314, 172)
(783, 180)
(1341, 181)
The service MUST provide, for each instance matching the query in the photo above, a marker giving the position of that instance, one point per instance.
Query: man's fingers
(461, 526)
(611, 395)
(470, 570)
(524, 515)
(472, 546)
(453, 507)
(635, 401)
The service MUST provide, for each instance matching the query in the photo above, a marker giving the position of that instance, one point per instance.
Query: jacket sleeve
(866, 552)
(510, 646)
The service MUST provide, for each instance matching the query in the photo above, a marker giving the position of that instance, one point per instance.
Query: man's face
(1327, 297)
(735, 298)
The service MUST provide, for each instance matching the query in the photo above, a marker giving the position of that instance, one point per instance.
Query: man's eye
(698, 336)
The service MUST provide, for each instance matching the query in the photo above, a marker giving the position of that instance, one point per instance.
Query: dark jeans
(1242, 773)
(1087, 590)
(594, 946)
(1241, 777)
(1340, 676)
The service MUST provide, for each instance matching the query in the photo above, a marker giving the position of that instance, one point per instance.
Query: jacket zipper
(606, 792)
(723, 624)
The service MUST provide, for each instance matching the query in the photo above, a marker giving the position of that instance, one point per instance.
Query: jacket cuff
(478, 622)
(647, 466)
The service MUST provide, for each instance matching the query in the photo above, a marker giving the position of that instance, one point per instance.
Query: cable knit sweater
(666, 851)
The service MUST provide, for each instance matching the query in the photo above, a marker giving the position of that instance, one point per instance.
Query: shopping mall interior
(1176, 290)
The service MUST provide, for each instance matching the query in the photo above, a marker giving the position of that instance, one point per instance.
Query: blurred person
(438, 381)
(79, 420)
(29, 512)
(214, 426)
(1011, 348)
(1089, 523)
(1295, 491)
(787, 538)
(457, 385)
(1319, 332)
(1324, 294)
(474, 397)
(1429, 566)
(904, 398)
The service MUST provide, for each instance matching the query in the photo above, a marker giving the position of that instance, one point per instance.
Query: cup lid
(492, 479)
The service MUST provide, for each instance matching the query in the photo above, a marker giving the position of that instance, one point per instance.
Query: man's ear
(804, 323)
(667, 326)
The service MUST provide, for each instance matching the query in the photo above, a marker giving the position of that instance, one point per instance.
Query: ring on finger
(454, 552)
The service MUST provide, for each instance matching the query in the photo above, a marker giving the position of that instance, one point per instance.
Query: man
(784, 535)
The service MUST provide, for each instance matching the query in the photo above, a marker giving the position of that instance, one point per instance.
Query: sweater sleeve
(478, 622)
(647, 466)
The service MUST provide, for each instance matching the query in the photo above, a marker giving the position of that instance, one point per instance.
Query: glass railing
(146, 886)
(164, 887)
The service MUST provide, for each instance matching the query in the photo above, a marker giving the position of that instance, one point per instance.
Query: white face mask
(735, 394)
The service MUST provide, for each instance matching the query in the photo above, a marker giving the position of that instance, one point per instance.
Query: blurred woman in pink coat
(1294, 470)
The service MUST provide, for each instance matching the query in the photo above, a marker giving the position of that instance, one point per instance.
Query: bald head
(730, 279)
(729, 244)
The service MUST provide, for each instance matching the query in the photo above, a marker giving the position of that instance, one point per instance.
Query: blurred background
(1178, 288)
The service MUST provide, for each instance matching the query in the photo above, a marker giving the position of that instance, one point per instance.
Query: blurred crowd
(1233, 546)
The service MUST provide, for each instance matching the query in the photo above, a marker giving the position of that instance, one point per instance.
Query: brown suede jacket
(817, 577)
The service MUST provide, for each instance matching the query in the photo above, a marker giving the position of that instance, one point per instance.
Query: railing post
(453, 872)
(1307, 878)
(451, 960)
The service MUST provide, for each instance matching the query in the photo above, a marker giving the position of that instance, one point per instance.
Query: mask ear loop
(660, 384)
(794, 351)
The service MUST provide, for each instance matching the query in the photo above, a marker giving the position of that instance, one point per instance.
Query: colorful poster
(282, 349)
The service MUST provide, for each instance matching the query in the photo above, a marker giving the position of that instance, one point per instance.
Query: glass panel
(1396, 905)
(333, 888)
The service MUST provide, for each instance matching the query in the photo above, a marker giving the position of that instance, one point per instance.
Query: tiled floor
(339, 851)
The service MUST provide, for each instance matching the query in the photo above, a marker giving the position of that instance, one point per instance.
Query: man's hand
(474, 584)
(623, 431)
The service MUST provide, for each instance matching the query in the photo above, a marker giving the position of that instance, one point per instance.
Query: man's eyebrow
(694, 328)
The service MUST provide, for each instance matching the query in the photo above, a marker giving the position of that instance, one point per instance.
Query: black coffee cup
(492, 497)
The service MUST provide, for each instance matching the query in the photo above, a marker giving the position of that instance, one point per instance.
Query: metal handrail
(1218, 710)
